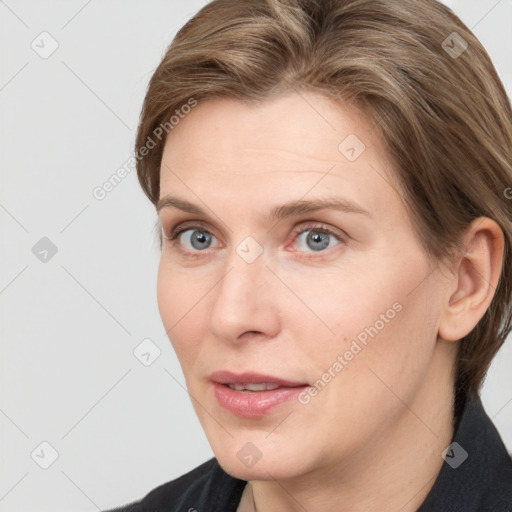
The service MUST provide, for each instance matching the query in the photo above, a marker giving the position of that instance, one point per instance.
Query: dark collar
(477, 473)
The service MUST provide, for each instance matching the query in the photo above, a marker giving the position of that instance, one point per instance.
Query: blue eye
(317, 239)
(199, 240)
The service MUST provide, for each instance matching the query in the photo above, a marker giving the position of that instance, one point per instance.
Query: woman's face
(338, 301)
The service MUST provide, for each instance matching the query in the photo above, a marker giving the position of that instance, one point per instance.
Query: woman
(331, 185)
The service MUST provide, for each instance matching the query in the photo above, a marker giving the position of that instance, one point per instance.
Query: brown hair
(434, 96)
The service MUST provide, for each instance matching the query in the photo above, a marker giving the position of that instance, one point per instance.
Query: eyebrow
(291, 209)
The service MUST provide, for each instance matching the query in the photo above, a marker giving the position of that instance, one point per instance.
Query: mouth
(253, 394)
(251, 388)
(251, 379)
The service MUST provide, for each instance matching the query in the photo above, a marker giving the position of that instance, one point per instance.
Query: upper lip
(227, 377)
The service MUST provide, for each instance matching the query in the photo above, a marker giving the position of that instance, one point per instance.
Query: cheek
(364, 393)
(344, 302)
(179, 303)
(389, 349)
(374, 317)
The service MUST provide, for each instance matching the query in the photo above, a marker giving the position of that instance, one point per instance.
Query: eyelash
(313, 226)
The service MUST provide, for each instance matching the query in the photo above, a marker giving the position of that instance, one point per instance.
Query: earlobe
(475, 279)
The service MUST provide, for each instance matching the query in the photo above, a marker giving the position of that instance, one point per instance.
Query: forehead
(287, 147)
(308, 125)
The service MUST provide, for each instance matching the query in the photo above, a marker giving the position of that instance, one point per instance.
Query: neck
(394, 472)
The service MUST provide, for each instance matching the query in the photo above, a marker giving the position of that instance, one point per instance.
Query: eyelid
(317, 226)
(320, 227)
(180, 228)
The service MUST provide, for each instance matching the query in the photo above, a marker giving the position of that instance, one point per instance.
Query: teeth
(253, 387)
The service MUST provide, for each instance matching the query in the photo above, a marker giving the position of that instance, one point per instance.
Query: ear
(474, 281)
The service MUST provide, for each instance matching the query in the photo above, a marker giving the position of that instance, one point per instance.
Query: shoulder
(186, 493)
(489, 464)
(477, 473)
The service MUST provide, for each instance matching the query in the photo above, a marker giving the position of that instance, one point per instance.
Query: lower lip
(251, 404)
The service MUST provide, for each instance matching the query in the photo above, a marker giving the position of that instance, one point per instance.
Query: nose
(246, 301)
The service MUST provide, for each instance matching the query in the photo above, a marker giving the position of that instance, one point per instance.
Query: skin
(371, 439)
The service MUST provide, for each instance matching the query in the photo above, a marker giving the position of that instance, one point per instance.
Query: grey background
(69, 325)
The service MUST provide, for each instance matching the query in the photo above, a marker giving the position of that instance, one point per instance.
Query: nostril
(250, 334)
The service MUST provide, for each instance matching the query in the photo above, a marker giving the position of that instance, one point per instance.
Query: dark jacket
(475, 477)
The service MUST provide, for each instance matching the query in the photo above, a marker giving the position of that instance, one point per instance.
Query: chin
(236, 460)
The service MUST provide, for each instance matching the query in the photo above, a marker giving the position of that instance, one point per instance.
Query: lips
(227, 377)
(253, 394)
